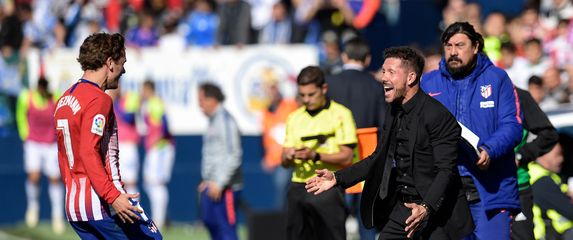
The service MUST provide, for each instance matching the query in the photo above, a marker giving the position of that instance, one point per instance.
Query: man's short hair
(464, 28)
(535, 80)
(310, 75)
(509, 46)
(357, 49)
(411, 58)
(98, 47)
(149, 84)
(212, 91)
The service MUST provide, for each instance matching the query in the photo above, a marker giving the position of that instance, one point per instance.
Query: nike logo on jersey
(434, 94)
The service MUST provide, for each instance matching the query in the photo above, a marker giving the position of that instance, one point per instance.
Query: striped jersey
(88, 151)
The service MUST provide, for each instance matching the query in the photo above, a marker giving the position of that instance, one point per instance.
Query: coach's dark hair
(98, 47)
(357, 49)
(464, 28)
(411, 58)
(310, 75)
(213, 91)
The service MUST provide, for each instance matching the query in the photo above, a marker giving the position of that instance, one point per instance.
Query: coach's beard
(463, 70)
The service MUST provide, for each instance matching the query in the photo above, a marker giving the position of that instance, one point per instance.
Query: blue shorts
(114, 228)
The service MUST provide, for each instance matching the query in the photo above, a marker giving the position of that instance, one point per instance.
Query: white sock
(56, 192)
(32, 193)
(159, 197)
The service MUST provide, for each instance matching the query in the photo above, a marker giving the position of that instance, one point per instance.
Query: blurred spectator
(40, 33)
(555, 93)
(82, 19)
(128, 15)
(145, 34)
(559, 48)
(553, 10)
(515, 66)
(536, 62)
(535, 88)
(454, 11)
(160, 153)
(274, 118)
(35, 120)
(261, 16)
(330, 61)
(11, 33)
(279, 29)
(234, 22)
(171, 40)
(531, 25)
(494, 35)
(473, 16)
(200, 26)
(433, 58)
(320, 16)
(553, 207)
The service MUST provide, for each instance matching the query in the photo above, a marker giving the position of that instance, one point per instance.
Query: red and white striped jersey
(88, 151)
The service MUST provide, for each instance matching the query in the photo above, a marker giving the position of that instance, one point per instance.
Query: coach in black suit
(413, 189)
(357, 89)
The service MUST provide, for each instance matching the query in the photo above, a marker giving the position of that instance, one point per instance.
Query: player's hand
(305, 154)
(419, 213)
(323, 181)
(124, 209)
(214, 191)
(484, 160)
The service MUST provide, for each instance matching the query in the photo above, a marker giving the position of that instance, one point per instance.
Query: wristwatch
(426, 207)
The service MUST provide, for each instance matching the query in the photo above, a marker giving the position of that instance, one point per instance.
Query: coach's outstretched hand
(124, 209)
(323, 181)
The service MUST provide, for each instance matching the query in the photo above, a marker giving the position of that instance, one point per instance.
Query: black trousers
(522, 229)
(394, 227)
(315, 217)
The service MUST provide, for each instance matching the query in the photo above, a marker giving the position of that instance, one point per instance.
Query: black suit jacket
(361, 93)
(433, 137)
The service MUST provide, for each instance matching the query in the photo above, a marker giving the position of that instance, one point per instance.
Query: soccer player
(160, 153)
(34, 114)
(97, 205)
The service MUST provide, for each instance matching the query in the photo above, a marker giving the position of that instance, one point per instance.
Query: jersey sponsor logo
(98, 124)
(486, 91)
(487, 104)
(434, 94)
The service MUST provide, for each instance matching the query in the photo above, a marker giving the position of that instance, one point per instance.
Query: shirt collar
(317, 111)
(409, 105)
(352, 66)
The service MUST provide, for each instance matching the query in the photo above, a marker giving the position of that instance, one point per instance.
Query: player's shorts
(159, 164)
(41, 157)
(128, 162)
(114, 228)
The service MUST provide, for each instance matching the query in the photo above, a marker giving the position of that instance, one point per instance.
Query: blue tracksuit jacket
(485, 102)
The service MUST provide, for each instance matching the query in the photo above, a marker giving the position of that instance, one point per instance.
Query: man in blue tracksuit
(483, 99)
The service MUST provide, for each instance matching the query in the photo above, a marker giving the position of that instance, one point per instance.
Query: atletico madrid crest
(486, 91)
